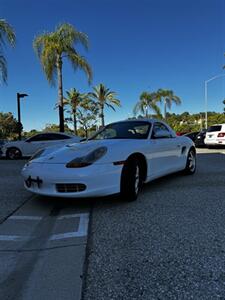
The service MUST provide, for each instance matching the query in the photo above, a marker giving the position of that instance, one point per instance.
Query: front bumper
(99, 179)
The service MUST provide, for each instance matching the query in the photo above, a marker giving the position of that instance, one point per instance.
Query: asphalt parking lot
(170, 244)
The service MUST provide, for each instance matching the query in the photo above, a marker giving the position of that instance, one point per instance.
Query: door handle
(178, 146)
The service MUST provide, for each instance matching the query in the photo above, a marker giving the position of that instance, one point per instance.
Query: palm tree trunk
(102, 115)
(75, 121)
(165, 109)
(146, 111)
(86, 132)
(60, 93)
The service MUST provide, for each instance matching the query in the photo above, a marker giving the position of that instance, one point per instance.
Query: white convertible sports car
(117, 159)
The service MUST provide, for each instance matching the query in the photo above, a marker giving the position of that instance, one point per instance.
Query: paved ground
(42, 241)
(12, 192)
(170, 244)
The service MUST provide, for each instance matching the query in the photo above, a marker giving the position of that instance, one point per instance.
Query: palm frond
(41, 42)
(3, 69)
(156, 109)
(7, 32)
(110, 106)
(70, 35)
(114, 101)
(60, 43)
(176, 100)
(46, 50)
(80, 62)
(168, 101)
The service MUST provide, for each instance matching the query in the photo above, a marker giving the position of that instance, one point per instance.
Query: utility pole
(19, 114)
(206, 96)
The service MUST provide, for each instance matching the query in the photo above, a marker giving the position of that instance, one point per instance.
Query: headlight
(87, 160)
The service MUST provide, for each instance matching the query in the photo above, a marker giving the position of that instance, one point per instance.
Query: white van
(215, 135)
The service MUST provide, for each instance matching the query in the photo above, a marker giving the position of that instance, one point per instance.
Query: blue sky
(134, 46)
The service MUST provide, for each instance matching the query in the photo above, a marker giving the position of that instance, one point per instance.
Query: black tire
(191, 162)
(131, 180)
(13, 153)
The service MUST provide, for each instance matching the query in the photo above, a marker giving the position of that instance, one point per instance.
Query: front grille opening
(70, 187)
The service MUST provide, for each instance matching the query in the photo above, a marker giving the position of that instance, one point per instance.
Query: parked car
(179, 133)
(117, 159)
(2, 142)
(215, 135)
(18, 149)
(199, 141)
(192, 135)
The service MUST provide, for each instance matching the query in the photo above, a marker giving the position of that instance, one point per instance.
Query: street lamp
(206, 96)
(19, 116)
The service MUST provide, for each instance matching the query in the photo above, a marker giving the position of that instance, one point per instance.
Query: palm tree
(7, 34)
(168, 98)
(52, 47)
(104, 97)
(74, 100)
(147, 101)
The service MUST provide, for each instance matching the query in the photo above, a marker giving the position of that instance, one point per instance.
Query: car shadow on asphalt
(76, 203)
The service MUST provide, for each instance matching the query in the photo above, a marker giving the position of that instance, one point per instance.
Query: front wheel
(13, 153)
(131, 180)
(191, 162)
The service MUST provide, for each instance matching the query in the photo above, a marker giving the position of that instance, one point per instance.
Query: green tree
(147, 101)
(104, 97)
(224, 106)
(28, 134)
(7, 35)
(74, 99)
(215, 118)
(52, 48)
(55, 128)
(167, 97)
(8, 126)
(87, 115)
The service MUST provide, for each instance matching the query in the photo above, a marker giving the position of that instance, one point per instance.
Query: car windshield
(124, 130)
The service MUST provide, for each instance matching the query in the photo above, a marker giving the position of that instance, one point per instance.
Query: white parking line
(81, 232)
(82, 229)
(13, 238)
(81, 215)
(25, 218)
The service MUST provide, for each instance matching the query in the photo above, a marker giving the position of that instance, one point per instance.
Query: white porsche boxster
(119, 158)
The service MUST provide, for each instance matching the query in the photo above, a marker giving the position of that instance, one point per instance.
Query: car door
(165, 151)
(52, 139)
(34, 143)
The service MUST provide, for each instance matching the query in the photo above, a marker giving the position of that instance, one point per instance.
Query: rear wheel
(13, 153)
(131, 180)
(191, 162)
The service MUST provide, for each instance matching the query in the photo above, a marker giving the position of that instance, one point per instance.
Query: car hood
(116, 149)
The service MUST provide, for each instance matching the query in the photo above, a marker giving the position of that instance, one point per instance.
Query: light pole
(19, 115)
(206, 96)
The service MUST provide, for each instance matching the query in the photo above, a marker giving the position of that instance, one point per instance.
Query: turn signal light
(221, 134)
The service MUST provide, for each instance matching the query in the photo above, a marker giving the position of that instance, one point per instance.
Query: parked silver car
(18, 149)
